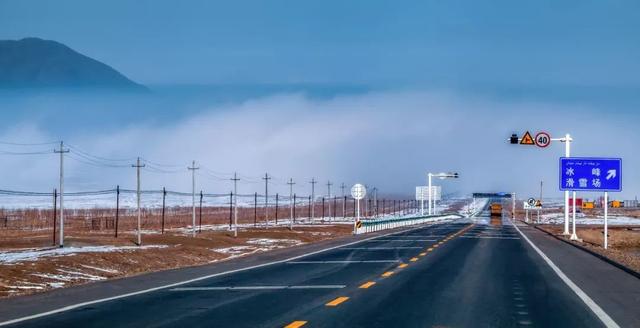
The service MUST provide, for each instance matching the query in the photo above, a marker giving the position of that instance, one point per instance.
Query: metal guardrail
(371, 225)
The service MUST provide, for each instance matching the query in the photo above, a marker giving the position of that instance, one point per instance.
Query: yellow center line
(296, 324)
(413, 259)
(387, 274)
(430, 249)
(423, 254)
(337, 301)
(403, 265)
(367, 284)
(435, 246)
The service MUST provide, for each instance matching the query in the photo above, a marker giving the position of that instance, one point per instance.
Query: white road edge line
(149, 290)
(595, 308)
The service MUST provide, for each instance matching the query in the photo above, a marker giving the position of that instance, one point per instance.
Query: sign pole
(567, 151)
(573, 235)
(606, 213)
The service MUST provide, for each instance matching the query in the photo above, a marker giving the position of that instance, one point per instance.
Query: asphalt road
(457, 274)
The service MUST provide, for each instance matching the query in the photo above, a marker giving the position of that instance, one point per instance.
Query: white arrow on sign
(611, 174)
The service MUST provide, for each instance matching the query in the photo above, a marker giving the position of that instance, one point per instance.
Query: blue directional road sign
(590, 174)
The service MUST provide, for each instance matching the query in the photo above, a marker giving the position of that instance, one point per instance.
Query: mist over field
(384, 138)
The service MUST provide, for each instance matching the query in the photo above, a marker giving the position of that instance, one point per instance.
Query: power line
(28, 144)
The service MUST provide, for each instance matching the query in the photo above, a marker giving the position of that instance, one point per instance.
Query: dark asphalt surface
(486, 276)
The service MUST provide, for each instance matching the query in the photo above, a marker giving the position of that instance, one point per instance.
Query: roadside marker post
(358, 191)
(591, 174)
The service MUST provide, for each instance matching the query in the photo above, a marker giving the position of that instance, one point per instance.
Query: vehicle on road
(496, 209)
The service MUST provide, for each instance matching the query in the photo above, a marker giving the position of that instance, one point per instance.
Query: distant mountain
(37, 63)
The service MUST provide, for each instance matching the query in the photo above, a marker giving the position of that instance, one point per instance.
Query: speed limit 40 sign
(542, 139)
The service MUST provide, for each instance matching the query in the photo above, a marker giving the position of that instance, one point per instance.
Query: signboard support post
(606, 214)
(573, 235)
(567, 151)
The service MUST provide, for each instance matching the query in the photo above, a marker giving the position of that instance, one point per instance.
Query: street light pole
(430, 175)
(440, 176)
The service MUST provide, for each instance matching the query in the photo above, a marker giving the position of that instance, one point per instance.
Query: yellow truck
(496, 209)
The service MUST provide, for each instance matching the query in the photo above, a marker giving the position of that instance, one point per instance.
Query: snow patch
(34, 255)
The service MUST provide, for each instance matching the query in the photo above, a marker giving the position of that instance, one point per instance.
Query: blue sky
(287, 86)
(388, 43)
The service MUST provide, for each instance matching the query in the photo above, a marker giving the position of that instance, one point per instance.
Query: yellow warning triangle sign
(527, 139)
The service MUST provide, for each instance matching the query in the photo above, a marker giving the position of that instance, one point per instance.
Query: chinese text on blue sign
(590, 174)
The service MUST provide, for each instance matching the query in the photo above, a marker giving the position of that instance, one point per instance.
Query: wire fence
(114, 211)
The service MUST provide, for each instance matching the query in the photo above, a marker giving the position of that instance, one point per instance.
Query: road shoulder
(614, 290)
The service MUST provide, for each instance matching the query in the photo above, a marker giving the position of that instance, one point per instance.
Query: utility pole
(235, 180)
(375, 200)
(138, 166)
(313, 198)
(291, 183)
(193, 169)
(266, 197)
(329, 184)
(61, 151)
(344, 197)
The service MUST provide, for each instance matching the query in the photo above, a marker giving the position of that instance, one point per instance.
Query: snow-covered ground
(558, 218)
(473, 207)
(256, 245)
(128, 200)
(8, 257)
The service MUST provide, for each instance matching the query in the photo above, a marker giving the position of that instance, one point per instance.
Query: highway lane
(452, 274)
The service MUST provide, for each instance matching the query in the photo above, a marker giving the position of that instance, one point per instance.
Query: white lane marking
(403, 240)
(379, 248)
(421, 236)
(192, 289)
(344, 261)
(488, 237)
(153, 289)
(593, 306)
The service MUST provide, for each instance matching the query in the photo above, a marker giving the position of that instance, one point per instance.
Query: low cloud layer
(384, 139)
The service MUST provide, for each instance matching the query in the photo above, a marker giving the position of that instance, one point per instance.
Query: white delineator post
(573, 235)
(606, 214)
